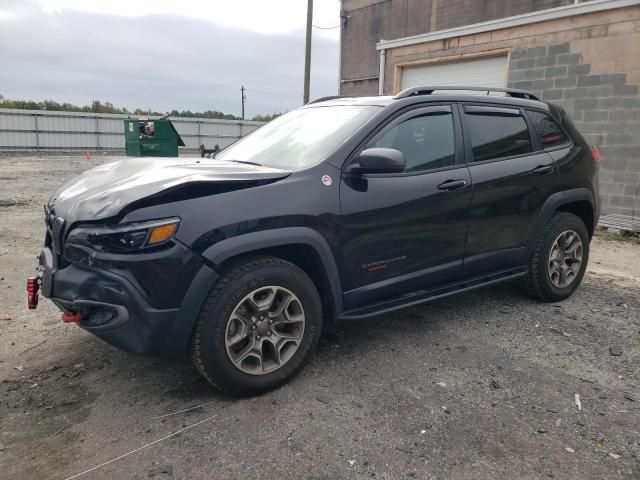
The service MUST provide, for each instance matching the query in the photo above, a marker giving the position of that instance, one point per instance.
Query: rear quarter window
(548, 130)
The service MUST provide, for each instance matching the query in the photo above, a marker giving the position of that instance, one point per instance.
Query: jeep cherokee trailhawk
(343, 209)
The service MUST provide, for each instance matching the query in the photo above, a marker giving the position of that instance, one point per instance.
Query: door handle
(450, 185)
(543, 169)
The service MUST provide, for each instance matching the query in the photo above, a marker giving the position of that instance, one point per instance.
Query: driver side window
(427, 141)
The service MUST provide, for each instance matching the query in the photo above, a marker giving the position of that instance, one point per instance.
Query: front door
(407, 231)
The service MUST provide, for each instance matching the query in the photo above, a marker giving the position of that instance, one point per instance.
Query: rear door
(511, 178)
(406, 231)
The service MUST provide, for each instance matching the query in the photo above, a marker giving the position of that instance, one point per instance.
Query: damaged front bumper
(144, 304)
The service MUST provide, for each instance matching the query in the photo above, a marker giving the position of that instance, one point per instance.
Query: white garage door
(484, 72)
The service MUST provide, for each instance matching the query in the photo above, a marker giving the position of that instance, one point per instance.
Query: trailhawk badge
(326, 180)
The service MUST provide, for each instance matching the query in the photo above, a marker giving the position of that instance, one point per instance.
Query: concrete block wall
(605, 107)
(586, 63)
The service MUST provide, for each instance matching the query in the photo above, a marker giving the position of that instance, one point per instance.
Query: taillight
(595, 154)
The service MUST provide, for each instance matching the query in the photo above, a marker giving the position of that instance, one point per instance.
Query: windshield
(300, 138)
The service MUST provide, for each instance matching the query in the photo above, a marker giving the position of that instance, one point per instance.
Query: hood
(106, 190)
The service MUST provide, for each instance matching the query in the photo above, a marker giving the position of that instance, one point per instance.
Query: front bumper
(118, 305)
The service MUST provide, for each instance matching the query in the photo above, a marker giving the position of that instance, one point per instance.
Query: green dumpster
(151, 138)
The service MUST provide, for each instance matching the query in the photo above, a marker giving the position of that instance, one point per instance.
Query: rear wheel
(559, 260)
(257, 327)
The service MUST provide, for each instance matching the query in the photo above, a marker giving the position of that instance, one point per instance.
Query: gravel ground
(478, 386)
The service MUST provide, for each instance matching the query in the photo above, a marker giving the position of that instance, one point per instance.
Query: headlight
(128, 237)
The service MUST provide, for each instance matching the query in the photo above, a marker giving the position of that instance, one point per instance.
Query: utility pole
(244, 97)
(307, 53)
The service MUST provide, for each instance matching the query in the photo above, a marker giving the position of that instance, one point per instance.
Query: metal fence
(48, 131)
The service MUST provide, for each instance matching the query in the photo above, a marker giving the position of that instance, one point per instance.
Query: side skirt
(424, 296)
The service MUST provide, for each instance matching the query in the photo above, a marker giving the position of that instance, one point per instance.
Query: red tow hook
(72, 317)
(32, 292)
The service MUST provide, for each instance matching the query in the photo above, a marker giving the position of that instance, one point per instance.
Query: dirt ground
(479, 386)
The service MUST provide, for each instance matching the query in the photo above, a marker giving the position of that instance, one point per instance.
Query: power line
(326, 28)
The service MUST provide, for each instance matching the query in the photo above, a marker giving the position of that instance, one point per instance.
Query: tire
(241, 295)
(542, 284)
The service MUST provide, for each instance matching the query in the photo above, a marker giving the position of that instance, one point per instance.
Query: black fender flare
(180, 335)
(551, 205)
(243, 244)
(250, 242)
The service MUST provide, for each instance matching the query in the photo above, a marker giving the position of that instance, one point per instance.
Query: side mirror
(379, 160)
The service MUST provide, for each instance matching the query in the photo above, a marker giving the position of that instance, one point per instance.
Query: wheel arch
(582, 209)
(304, 247)
(578, 201)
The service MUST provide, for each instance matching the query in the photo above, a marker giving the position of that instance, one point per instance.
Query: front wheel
(559, 259)
(257, 327)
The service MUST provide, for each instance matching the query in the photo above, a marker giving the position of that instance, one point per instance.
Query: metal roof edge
(508, 22)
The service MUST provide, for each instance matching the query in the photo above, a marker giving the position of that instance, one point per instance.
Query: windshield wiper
(246, 162)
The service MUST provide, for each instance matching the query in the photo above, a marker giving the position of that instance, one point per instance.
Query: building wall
(587, 64)
(370, 21)
(600, 93)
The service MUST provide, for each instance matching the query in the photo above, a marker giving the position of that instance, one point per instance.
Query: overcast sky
(167, 54)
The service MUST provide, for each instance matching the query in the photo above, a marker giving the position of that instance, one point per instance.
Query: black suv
(343, 209)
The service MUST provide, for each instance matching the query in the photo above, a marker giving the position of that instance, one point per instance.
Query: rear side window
(496, 132)
(427, 141)
(550, 133)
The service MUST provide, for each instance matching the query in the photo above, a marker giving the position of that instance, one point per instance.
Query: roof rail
(513, 92)
(329, 97)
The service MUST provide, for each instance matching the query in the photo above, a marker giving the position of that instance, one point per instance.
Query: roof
(378, 101)
(421, 95)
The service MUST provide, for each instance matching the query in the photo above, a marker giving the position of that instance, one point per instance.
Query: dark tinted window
(550, 133)
(426, 141)
(497, 135)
